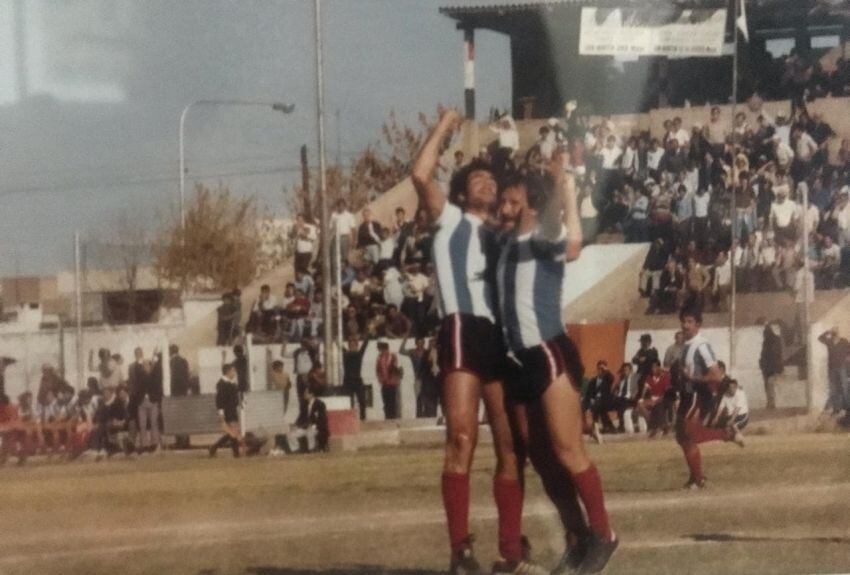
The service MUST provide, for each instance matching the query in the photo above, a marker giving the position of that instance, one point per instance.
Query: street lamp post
(276, 106)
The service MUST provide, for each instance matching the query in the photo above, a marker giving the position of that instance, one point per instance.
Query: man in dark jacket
(227, 404)
(837, 350)
(179, 372)
(643, 360)
(352, 379)
(148, 399)
(770, 361)
(312, 426)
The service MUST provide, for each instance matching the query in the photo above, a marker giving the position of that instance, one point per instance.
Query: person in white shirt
(701, 200)
(830, 263)
(393, 291)
(783, 152)
(804, 292)
(733, 409)
(630, 159)
(841, 215)
(722, 281)
(767, 261)
(783, 214)
(681, 134)
(508, 134)
(344, 224)
(610, 154)
(782, 129)
(306, 236)
(653, 157)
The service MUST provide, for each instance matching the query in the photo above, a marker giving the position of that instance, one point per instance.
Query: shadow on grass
(347, 570)
(730, 538)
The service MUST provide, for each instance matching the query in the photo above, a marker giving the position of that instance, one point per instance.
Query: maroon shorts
(539, 366)
(473, 344)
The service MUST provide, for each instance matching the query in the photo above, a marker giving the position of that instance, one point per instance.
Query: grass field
(781, 505)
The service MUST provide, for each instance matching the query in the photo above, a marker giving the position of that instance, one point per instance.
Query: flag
(742, 20)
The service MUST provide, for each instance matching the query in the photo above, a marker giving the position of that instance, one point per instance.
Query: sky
(91, 93)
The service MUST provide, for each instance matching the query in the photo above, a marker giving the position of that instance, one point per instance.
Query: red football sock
(456, 502)
(589, 487)
(508, 495)
(694, 459)
(562, 493)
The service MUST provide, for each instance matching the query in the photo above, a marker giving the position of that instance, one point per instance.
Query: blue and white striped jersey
(464, 251)
(530, 277)
(697, 356)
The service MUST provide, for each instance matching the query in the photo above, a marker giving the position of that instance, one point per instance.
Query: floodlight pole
(276, 106)
(327, 281)
(733, 308)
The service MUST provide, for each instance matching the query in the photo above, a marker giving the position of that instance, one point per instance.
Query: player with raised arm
(540, 218)
(471, 350)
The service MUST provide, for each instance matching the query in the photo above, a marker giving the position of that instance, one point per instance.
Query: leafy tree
(219, 248)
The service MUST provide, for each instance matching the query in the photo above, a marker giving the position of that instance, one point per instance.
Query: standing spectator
(403, 229)
(653, 159)
(681, 135)
(112, 430)
(389, 376)
(369, 237)
(393, 289)
(637, 226)
(715, 132)
(240, 364)
(344, 226)
(683, 214)
(352, 369)
(225, 319)
(417, 248)
(149, 400)
(236, 322)
(421, 366)
(227, 404)
(701, 200)
(304, 358)
(804, 292)
(262, 313)
(722, 282)
(830, 264)
(698, 279)
(766, 265)
(771, 360)
(4, 363)
(783, 214)
(837, 354)
(674, 350)
(588, 214)
(643, 359)
(179, 368)
(278, 379)
(414, 306)
(305, 236)
(653, 267)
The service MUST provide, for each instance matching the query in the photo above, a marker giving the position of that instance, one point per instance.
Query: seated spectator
(304, 283)
(386, 248)
(698, 279)
(296, 311)
(314, 322)
(667, 297)
(733, 411)
(397, 325)
(113, 424)
(651, 404)
(311, 431)
(417, 248)
(13, 436)
(360, 289)
(600, 398)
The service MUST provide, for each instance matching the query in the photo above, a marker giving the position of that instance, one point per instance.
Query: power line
(141, 181)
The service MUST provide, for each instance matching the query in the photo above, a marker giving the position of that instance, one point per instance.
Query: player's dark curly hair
(538, 186)
(460, 179)
(693, 311)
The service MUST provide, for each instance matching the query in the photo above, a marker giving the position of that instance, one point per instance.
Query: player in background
(542, 232)
(700, 378)
(470, 348)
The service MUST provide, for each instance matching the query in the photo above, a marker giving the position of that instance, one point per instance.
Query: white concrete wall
(210, 360)
(748, 345)
(32, 349)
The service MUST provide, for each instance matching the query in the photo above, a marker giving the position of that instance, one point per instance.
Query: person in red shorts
(651, 405)
(700, 378)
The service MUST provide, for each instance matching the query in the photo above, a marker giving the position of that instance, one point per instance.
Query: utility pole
(305, 185)
(78, 288)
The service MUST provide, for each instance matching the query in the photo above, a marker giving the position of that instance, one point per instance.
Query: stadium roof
(469, 7)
